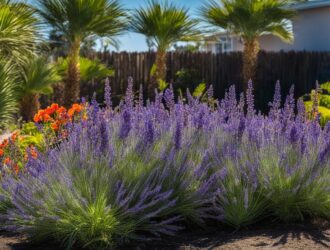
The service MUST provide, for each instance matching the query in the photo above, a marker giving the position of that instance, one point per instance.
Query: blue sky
(136, 42)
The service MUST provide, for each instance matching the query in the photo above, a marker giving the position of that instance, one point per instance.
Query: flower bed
(140, 172)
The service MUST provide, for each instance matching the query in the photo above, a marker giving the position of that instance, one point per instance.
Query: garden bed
(311, 235)
(116, 177)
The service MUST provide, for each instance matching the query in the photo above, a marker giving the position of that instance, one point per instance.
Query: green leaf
(162, 85)
(199, 90)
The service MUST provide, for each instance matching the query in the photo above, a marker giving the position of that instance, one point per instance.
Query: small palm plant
(90, 70)
(36, 78)
(250, 19)
(164, 24)
(78, 21)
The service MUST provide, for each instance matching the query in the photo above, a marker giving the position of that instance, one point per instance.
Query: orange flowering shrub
(16, 151)
(55, 116)
(12, 156)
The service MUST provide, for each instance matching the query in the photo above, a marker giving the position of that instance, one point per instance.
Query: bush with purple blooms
(140, 172)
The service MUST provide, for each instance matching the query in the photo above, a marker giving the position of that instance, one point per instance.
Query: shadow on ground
(265, 235)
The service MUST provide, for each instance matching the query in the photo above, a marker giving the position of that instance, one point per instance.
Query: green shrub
(325, 101)
(326, 87)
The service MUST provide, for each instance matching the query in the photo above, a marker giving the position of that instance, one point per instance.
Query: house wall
(311, 29)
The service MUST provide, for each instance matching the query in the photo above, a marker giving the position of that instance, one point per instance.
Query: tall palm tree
(250, 19)
(37, 77)
(163, 23)
(79, 20)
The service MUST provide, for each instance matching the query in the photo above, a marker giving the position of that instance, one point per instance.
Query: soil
(312, 235)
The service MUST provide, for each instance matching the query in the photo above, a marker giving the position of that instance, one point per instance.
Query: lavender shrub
(140, 172)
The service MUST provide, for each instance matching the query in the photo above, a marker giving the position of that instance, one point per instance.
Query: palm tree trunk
(72, 87)
(250, 60)
(29, 106)
(161, 65)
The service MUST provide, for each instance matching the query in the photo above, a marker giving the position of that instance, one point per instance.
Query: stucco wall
(311, 29)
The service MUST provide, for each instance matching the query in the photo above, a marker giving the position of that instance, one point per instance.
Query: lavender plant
(140, 172)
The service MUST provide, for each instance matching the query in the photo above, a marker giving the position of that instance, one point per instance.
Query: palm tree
(250, 19)
(18, 30)
(78, 21)
(37, 77)
(164, 24)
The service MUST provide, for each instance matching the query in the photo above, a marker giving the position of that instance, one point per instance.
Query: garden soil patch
(274, 236)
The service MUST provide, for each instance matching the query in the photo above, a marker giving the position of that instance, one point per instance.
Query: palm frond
(8, 90)
(250, 18)
(81, 19)
(164, 23)
(18, 30)
(38, 76)
(89, 69)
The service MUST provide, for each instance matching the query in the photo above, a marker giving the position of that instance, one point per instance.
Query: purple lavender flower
(210, 92)
(178, 134)
(294, 135)
(169, 98)
(126, 125)
(274, 112)
(129, 96)
(107, 94)
(149, 131)
(250, 101)
(301, 116)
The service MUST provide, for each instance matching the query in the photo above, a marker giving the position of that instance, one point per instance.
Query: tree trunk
(250, 60)
(72, 85)
(161, 65)
(29, 106)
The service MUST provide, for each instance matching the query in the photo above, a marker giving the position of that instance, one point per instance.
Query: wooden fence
(222, 70)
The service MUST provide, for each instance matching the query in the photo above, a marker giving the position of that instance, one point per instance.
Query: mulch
(310, 235)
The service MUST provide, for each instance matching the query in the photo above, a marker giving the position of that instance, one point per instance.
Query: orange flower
(1, 152)
(7, 161)
(77, 107)
(4, 143)
(14, 136)
(54, 126)
(61, 110)
(36, 118)
(71, 112)
(47, 118)
(54, 106)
